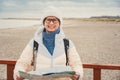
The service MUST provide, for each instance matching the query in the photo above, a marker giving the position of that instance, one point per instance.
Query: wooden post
(96, 74)
(10, 68)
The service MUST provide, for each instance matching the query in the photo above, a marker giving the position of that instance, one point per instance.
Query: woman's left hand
(75, 77)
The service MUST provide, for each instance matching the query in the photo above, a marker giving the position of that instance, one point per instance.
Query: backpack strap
(66, 45)
(35, 50)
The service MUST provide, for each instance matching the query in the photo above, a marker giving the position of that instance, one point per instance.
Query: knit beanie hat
(51, 11)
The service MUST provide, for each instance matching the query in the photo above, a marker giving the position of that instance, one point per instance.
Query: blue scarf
(49, 40)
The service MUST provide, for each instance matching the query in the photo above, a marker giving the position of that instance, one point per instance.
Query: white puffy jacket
(44, 58)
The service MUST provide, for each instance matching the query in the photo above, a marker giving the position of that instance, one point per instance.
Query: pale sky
(69, 8)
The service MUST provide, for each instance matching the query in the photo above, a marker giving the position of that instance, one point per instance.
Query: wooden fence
(96, 68)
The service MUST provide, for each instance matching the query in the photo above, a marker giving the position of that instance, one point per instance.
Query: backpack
(35, 50)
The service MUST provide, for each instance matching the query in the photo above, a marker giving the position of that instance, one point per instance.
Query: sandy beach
(96, 42)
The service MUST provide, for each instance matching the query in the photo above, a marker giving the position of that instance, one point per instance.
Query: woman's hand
(75, 77)
(18, 78)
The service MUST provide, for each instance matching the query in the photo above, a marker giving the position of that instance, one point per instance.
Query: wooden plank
(7, 61)
(102, 66)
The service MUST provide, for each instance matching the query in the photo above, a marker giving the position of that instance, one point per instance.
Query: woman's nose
(51, 22)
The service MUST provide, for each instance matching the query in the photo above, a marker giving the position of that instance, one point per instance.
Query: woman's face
(51, 23)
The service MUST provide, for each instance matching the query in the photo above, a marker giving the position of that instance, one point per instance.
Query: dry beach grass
(96, 42)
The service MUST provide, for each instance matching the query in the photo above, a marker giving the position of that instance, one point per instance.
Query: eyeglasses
(53, 20)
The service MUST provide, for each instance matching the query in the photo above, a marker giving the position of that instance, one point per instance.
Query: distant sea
(11, 23)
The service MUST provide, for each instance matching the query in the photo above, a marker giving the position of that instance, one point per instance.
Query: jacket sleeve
(25, 60)
(74, 60)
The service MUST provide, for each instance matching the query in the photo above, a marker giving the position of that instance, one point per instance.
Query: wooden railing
(96, 68)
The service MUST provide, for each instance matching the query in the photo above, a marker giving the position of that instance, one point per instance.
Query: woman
(51, 52)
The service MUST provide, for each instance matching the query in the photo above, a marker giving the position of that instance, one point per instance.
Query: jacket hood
(38, 34)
